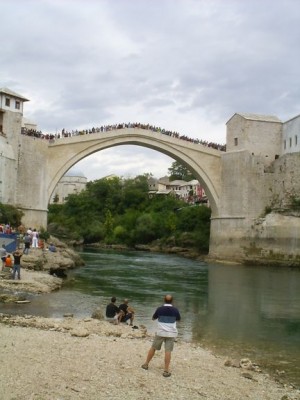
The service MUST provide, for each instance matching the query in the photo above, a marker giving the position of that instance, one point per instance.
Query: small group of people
(166, 316)
(7, 229)
(31, 238)
(10, 264)
(117, 314)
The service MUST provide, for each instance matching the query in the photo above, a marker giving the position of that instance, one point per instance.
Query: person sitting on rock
(113, 313)
(128, 312)
(52, 248)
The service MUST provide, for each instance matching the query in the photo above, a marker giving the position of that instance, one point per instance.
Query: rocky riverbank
(67, 359)
(41, 271)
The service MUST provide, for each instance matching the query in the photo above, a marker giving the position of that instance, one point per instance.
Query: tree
(10, 215)
(121, 211)
(179, 171)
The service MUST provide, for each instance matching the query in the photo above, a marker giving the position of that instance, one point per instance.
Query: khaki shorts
(158, 341)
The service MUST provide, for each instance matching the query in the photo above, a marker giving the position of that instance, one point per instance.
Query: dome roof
(75, 172)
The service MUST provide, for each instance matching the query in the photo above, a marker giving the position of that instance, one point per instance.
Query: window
(290, 142)
(284, 144)
(236, 141)
(7, 102)
(296, 140)
(17, 105)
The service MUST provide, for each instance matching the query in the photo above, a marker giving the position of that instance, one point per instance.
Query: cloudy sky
(183, 65)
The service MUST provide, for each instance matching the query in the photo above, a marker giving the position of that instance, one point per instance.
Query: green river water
(237, 311)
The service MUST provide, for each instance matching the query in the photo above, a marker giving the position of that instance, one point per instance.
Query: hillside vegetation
(115, 211)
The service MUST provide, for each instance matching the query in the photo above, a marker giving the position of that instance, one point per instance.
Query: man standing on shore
(166, 317)
(17, 264)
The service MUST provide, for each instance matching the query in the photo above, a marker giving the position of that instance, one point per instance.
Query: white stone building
(73, 182)
(191, 192)
(291, 135)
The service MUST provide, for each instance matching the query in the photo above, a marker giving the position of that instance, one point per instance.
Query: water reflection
(244, 301)
(254, 312)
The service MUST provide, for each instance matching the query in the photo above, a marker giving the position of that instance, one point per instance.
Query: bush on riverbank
(120, 212)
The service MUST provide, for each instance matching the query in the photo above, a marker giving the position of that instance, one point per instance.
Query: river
(237, 311)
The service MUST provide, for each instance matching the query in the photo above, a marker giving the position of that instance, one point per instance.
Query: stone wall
(243, 230)
(31, 190)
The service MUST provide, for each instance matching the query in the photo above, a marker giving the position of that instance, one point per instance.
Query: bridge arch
(202, 161)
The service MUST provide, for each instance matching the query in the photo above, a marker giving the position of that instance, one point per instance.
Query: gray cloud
(184, 65)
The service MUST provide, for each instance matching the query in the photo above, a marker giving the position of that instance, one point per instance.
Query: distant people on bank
(17, 264)
(3, 254)
(35, 239)
(128, 312)
(166, 316)
(52, 248)
(27, 242)
(113, 313)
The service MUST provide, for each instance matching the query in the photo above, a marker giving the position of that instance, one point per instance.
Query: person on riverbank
(128, 312)
(52, 248)
(113, 313)
(27, 242)
(35, 238)
(166, 316)
(17, 264)
(3, 254)
(8, 261)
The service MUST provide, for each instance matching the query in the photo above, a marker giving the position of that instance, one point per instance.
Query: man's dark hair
(113, 299)
(168, 299)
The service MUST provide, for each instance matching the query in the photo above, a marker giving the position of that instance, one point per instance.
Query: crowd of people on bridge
(107, 128)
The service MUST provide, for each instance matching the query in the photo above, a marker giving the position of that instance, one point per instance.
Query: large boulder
(62, 259)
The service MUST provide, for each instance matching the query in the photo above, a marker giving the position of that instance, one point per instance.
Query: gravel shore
(69, 359)
(91, 359)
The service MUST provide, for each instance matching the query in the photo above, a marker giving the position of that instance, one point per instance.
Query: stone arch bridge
(203, 161)
(239, 184)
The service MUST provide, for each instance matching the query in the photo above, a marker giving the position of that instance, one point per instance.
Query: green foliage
(93, 233)
(120, 234)
(10, 215)
(268, 210)
(145, 229)
(120, 211)
(295, 203)
(56, 198)
(193, 218)
(179, 171)
(43, 234)
(108, 223)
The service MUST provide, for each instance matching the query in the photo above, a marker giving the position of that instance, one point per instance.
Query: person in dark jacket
(113, 313)
(17, 264)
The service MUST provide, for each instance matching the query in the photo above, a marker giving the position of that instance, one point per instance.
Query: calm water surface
(237, 311)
